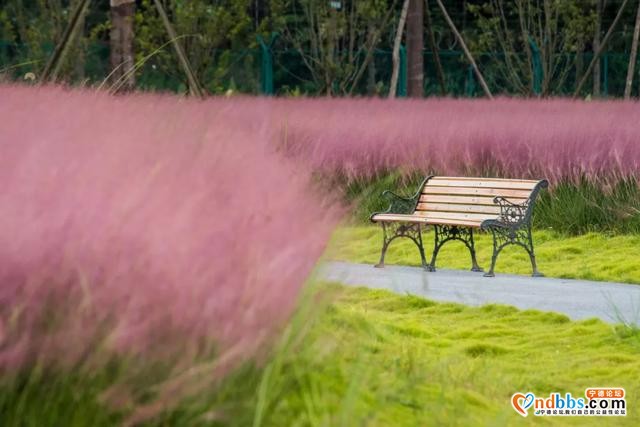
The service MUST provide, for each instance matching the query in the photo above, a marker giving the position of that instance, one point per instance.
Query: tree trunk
(371, 68)
(632, 58)
(121, 44)
(396, 50)
(579, 63)
(371, 79)
(80, 58)
(596, 47)
(415, 46)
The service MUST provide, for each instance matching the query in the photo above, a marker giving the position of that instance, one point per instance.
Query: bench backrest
(470, 200)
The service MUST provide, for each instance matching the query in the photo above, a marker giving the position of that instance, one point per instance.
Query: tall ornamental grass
(179, 232)
(140, 220)
(146, 227)
(589, 151)
(561, 140)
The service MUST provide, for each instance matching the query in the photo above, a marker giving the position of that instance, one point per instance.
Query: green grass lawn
(375, 358)
(591, 256)
(354, 356)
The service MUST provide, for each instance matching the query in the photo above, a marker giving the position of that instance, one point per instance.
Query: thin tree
(56, 60)
(415, 48)
(78, 47)
(467, 53)
(632, 57)
(600, 5)
(335, 43)
(121, 44)
(395, 57)
(606, 39)
(194, 86)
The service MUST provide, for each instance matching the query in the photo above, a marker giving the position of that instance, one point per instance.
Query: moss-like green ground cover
(593, 256)
(375, 358)
(354, 356)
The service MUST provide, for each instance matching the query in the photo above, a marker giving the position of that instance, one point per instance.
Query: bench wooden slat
(428, 189)
(456, 215)
(447, 207)
(446, 221)
(423, 220)
(512, 185)
(465, 200)
(468, 178)
(398, 218)
(490, 178)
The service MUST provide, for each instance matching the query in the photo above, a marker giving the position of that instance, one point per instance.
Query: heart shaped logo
(522, 402)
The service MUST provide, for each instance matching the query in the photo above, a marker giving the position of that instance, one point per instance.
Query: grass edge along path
(592, 256)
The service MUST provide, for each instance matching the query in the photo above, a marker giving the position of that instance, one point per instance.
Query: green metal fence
(270, 70)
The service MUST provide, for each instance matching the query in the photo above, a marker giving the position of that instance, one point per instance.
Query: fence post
(470, 82)
(537, 67)
(266, 64)
(605, 74)
(402, 78)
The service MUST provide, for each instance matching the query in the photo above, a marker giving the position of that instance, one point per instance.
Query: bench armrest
(513, 214)
(400, 204)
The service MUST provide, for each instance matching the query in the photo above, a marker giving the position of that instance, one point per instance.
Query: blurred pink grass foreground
(149, 225)
(555, 139)
(146, 225)
(157, 215)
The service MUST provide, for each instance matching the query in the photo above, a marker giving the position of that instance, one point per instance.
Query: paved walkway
(578, 299)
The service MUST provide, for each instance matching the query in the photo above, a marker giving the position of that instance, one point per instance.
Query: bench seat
(456, 206)
(420, 219)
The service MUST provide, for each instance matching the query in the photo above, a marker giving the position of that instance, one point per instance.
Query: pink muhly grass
(554, 139)
(161, 227)
(148, 216)
(146, 225)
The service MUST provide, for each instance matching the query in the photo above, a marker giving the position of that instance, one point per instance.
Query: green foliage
(37, 398)
(336, 44)
(583, 207)
(7, 31)
(30, 29)
(556, 30)
(207, 33)
(322, 50)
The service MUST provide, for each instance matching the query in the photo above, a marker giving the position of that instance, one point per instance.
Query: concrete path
(578, 299)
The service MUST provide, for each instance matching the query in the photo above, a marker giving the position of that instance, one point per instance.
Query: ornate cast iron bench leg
(504, 236)
(410, 231)
(513, 227)
(445, 233)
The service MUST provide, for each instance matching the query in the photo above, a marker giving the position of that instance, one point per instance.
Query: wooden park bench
(455, 207)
